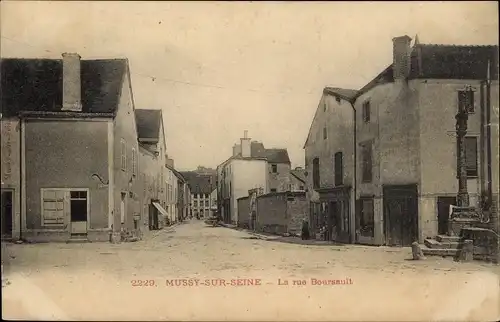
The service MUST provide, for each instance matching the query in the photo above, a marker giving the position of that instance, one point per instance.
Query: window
(316, 178)
(195, 203)
(134, 162)
(366, 162)
(366, 217)
(337, 99)
(274, 168)
(123, 155)
(53, 207)
(325, 136)
(471, 156)
(339, 169)
(324, 107)
(273, 190)
(301, 188)
(466, 101)
(366, 112)
(207, 203)
(78, 205)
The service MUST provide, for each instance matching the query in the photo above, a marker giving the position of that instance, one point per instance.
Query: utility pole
(461, 129)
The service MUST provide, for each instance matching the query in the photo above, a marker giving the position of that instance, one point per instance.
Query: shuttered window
(53, 207)
(339, 168)
(316, 178)
(366, 162)
(123, 148)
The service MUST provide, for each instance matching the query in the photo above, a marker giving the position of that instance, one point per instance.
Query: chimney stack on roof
(401, 51)
(72, 84)
(246, 150)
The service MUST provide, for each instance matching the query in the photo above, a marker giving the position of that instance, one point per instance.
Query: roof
(347, 94)
(277, 156)
(148, 124)
(199, 184)
(429, 61)
(35, 85)
(299, 174)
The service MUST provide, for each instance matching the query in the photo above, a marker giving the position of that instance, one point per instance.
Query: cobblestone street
(95, 281)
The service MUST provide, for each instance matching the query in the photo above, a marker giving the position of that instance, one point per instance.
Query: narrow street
(95, 281)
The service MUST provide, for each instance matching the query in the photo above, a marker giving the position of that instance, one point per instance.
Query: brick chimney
(72, 85)
(236, 149)
(401, 51)
(246, 144)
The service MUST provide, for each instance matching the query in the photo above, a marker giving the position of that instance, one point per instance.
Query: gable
(315, 119)
(126, 107)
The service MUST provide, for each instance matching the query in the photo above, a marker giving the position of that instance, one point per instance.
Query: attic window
(324, 107)
(325, 136)
(337, 99)
(366, 112)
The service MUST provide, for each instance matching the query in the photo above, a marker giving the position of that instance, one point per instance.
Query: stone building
(391, 146)
(72, 122)
(152, 159)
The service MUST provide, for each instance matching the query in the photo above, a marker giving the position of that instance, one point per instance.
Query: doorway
(333, 220)
(400, 215)
(7, 210)
(443, 209)
(78, 211)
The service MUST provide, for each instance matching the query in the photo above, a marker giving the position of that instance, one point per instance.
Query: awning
(160, 209)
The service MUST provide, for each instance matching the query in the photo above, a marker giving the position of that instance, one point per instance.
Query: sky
(219, 68)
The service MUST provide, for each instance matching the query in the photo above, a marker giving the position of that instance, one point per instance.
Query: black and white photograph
(250, 161)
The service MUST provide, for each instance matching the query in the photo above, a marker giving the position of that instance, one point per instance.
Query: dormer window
(337, 99)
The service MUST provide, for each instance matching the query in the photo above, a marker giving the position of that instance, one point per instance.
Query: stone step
(438, 251)
(432, 243)
(76, 240)
(445, 238)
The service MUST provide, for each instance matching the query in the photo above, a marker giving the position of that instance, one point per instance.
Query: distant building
(250, 167)
(201, 187)
(297, 180)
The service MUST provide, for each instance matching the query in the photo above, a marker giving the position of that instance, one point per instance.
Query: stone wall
(297, 210)
(271, 213)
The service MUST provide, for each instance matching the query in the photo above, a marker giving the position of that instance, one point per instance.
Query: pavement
(137, 281)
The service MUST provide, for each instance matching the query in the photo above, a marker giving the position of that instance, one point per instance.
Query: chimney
(236, 149)
(246, 145)
(401, 51)
(72, 86)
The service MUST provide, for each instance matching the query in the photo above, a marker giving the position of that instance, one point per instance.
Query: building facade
(297, 180)
(403, 173)
(61, 111)
(152, 158)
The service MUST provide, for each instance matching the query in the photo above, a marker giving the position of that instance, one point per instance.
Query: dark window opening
(325, 135)
(316, 178)
(337, 99)
(273, 190)
(366, 162)
(367, 222)
(301, 188)
(366, 112)
(471, 156)
(78, 210)
(274, 168)
(338, 169)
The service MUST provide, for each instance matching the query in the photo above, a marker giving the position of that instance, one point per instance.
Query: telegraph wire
(176, 81)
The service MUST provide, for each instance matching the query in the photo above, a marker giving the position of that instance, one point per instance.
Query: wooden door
(400, 215)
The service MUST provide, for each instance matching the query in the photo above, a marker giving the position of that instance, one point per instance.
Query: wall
(124, 181)
(10, 166)
(297, 211)
(65, 154)
(281, 179)
(338, 120)
(271, 213)
(393, 133)
(246, 175)
(244, 212)
(438, 105)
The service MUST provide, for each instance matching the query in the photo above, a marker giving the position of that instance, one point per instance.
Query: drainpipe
(493, 210)
(355, 167)
(21, 186)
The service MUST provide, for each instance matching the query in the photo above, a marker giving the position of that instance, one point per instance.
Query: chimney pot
(72, 86)
(401, 50)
